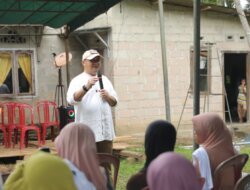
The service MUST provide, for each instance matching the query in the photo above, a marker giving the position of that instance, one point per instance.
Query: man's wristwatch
(85, 88)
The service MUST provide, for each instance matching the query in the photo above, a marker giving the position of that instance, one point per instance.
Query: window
(204, 70)
(17, 73)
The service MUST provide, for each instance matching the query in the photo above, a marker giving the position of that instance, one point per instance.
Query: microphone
(100, 80)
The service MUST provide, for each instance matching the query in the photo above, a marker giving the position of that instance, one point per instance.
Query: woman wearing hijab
(160, 137)
(76, 144)
(215, 139)
(41, 171)
(171, 171)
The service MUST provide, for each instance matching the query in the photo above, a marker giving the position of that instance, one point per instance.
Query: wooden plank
(124, 139)
(26, 152)
(131, 154)
(120, 143)
(120, 146)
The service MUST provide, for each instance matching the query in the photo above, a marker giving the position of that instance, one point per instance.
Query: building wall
(46, 72)
(134, 61)
(137, 67)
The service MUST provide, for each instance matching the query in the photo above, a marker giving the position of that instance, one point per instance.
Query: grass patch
(128, 168)
(246, 149)
(186, 152)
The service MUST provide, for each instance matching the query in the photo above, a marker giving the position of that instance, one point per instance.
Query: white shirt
(80, 179)
(201, 155)
(92, 110)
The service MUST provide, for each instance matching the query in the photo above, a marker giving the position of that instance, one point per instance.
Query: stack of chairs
(19, 118)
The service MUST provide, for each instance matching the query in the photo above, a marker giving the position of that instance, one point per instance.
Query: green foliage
(209, 1)
(226, 3)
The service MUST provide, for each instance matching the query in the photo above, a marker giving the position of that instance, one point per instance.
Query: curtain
(5, 66)
(24, 61)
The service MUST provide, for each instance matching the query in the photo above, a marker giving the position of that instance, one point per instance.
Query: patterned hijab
(76, 142)
(41, 171)
(171, 171)
(160, 137)
(214, 136)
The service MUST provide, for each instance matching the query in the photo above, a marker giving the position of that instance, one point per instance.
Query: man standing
(93, 104)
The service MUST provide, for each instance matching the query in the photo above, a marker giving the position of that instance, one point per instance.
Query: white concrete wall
(47, 73)
(136, 60)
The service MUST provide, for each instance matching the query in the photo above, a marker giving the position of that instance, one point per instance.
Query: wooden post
(66, 37)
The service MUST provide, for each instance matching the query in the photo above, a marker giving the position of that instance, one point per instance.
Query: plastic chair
(48, 117)
(237, 162)
(105, 158)
(243, 183)
(2, 127)
(8, 121)
(26, 123)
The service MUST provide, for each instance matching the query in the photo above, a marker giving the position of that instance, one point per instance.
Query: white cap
(90, 54)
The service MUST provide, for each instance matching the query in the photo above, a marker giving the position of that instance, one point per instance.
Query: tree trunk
(243, 20)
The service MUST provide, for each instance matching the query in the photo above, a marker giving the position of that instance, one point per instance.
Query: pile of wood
(122, 143)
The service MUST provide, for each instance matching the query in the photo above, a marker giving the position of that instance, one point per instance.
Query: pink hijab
(76, 142)
(215, 137)
(171, 171)
(217, 141)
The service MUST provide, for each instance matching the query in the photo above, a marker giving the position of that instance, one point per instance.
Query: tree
(241, 6)
(209, 1)
(225, 3)
(243, 19)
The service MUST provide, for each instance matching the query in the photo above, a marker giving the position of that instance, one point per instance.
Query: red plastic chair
(48, 117)
(8, 121)
(2, 127)
(26, 123)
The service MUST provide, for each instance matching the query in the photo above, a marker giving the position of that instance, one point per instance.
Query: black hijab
(160, 137)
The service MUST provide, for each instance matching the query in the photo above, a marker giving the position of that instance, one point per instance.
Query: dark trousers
(104, 147)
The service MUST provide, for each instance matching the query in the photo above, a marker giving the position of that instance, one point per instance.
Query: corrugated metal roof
(53, 13)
